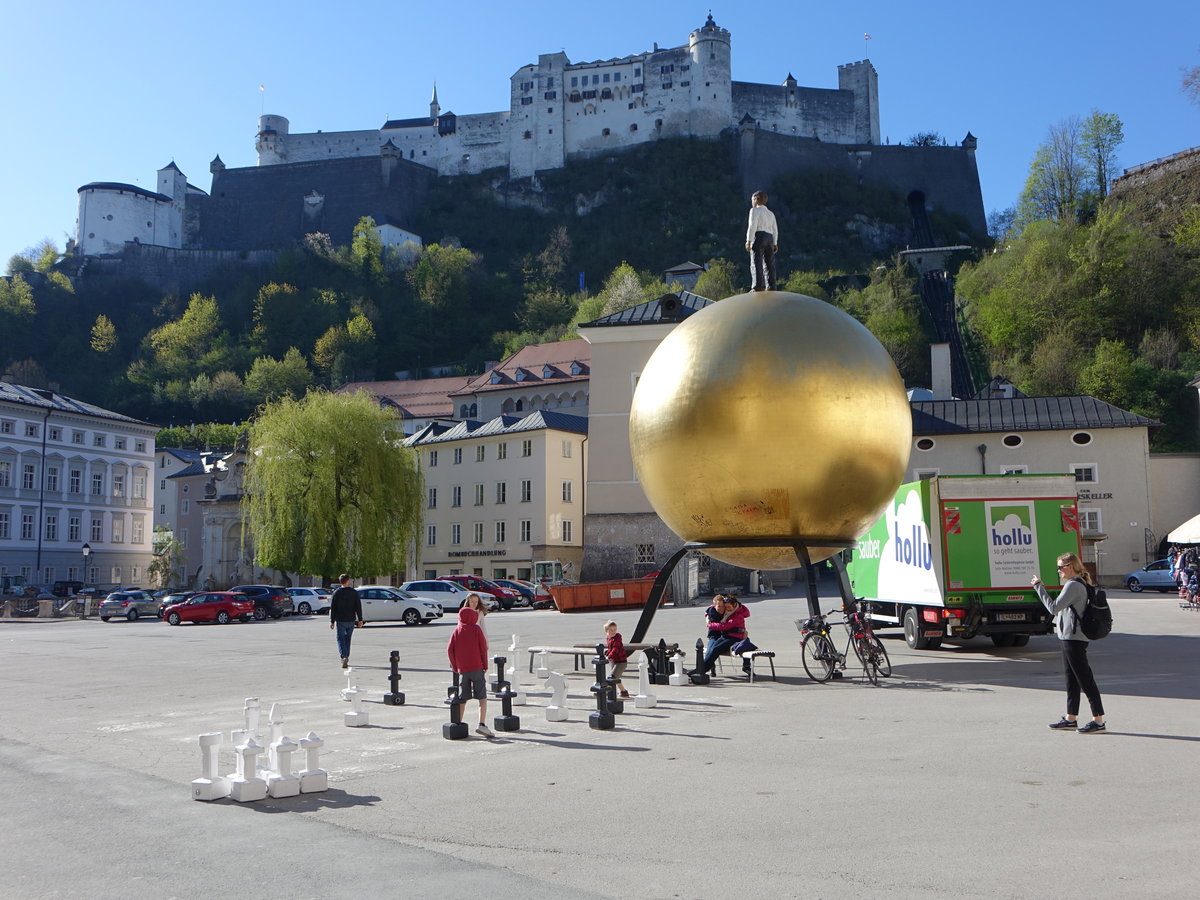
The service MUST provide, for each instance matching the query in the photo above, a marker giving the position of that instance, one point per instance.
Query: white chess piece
(246, 786)
(313, 779)
(351, 683)
(357, 717)
(210, 785)
(282, 783)
(513, 672)
(557, 710)
(543, 668)
(644, 699)
(250, 715)
(274, 733)
(677, 677)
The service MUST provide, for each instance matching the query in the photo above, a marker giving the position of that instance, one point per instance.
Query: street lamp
(87, 551)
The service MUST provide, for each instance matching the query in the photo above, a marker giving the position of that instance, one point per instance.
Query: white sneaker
(484, 730)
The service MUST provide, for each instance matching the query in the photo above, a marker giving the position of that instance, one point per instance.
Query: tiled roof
(533, 360)
(439, 433)
(650, 313)
(1020, 414)
(407, 123)
(127, 188)
(421, 398)
(46, 399)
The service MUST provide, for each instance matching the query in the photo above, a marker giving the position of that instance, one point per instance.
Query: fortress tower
(710, 84)
(862, 79)
(272, 140)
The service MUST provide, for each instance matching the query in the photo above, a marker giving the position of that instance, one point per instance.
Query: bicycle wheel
(868, 657)
(819, 657)
(885, 662)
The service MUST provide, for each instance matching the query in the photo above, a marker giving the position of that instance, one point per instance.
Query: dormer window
(547, 371)
(576, 368)
(520, 375)
(496, 378)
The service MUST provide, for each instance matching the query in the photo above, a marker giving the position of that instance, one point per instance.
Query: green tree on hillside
(331, 488)
(1100, 137)
(717, 280)
(104, 334)
(269, 379)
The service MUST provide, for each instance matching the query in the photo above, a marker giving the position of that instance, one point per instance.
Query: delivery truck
(953, 555)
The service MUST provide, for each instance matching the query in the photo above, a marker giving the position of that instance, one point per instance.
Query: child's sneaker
(484, 730)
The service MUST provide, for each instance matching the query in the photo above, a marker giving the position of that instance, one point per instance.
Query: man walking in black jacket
(345, 614)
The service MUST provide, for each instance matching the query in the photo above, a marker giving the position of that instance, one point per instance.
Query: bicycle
(821, 658)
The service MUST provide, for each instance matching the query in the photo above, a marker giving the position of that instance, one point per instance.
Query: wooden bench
(579, 651)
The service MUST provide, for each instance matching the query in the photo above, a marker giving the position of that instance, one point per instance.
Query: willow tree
(330, 488)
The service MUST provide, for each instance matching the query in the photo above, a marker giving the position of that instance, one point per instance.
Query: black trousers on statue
(762, 262)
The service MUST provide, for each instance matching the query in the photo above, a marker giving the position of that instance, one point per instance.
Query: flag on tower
(866, 37)
(262, 87)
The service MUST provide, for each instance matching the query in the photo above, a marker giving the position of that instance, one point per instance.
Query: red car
(506, 597)
(221, 607)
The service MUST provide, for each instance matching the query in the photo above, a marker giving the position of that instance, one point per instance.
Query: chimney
(939, 381)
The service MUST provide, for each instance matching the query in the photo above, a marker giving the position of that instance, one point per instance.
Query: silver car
(129, 605)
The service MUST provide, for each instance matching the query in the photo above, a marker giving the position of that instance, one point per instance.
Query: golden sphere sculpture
(770, 416)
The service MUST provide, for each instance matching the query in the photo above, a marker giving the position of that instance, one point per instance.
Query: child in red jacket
(614, 649)
(468, 652)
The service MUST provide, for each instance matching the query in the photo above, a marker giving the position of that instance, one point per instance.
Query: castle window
(606, 94)
(528, 135)
(575, 82)
(606, 77)
(549, 82)
(667, 85)
(658, 123)
(637, 88)
(684, 68)
(616, 76)
(665, 70)
(525, 101)
(595, 79)
(549, 109)
(527, 85)
(550, 95)
(575, 97)
(684, 83)
(589, 95)
(632, 127)
(637, 72)
(605, 132)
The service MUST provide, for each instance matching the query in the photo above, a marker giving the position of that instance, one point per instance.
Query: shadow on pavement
(330, 799)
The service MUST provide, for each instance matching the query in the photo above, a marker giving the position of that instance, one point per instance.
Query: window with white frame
(566, 530)
(1089, 521)
(97, 484)
(140, 446)
(52, 478)
(118, 484)
(119, 443)
(501, 492)
(162, 509)
(455, 533)
(433, 459)
(5, 474)
(75, 481)
(115, 574)
(28, 476)
(480, 453)
(138, 532)
(118, 529)
(27, 526)
(98, 440)
(458, 456)
(501, 532)
(185, 507)
(526, 531)
(31, 430)
(1014, 470)
(97, 529)
(139, 485)
(478, 533)
(135, 574)
(73, 529)
(162, 484)
(432, 498)
(183, 537)
(502, 451)
(479, 495)
(566, 491)
(526, 491)
(527, 448)
(76, 437)
(456, 495)
(5, 525)
(51, 526)
(1085, 473)
(6, 426)
(566, 449)
(55, 434)
(431, 535)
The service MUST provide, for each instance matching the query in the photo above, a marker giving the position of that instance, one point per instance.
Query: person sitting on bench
(726, 626)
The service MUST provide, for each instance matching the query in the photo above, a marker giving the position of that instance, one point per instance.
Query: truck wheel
(912, 633)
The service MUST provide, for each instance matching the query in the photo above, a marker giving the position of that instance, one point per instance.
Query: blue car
(1156, 576)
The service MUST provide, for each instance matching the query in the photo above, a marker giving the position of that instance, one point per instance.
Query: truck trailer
(953, 555)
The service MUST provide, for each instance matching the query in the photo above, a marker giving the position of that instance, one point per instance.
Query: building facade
(181, 476)
(503, 494)
(73, 474)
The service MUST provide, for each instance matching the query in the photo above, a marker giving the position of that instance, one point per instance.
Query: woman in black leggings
(1068, 607)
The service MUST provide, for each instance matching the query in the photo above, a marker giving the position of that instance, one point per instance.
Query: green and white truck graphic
(952, 556)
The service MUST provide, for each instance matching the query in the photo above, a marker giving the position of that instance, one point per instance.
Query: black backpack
(1096, 621)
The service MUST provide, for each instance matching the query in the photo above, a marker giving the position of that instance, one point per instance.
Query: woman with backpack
(1068, 608)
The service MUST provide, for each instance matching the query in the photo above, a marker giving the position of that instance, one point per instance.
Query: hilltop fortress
(559, 110)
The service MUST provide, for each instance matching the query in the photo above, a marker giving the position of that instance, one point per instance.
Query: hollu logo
(1010, 527)
(914, 550)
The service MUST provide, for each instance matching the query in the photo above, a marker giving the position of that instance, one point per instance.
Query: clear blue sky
(113, 91)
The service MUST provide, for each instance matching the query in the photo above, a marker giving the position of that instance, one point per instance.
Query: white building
(73, 474)
(181, 476)
(502, 494)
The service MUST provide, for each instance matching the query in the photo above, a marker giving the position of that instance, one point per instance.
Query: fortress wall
(1184, 161)
(821, 113)
(329, 145)
(265, 207)
(107, 218)
(172, 270)
(946, 175)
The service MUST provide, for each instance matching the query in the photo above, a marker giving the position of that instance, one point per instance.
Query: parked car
(309, 600)
(506, 596)
(128, 605)
(1155, 575)
(221, 607)
(384, 603)
(525, 590)
(449, 594)
(269, 600)
(171, 598)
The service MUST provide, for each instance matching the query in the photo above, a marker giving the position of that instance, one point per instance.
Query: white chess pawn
(513, 672)
(282, 783)
(557, 710)
(677, 677)
(250, 714)
(644, 699)
(351, 684)
(543, 668)
(246, 785)
(357, 717)
(210, 785)
(274, 733)
(313, 779)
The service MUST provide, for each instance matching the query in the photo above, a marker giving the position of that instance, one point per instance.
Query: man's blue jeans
(343, 631)
(716, 646)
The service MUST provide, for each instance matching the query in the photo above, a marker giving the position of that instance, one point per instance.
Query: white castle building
(561, 109)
